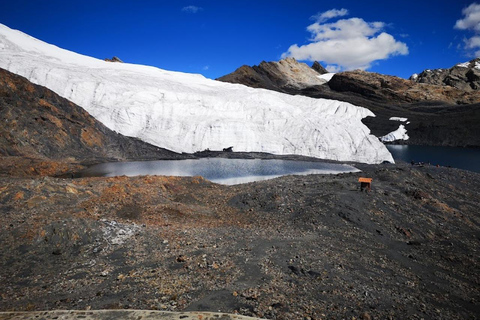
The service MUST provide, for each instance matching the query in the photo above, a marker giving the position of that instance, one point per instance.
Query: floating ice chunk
(399, 134)
(398, 119)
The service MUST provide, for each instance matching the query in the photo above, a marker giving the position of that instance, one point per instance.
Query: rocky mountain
(283, 76)
(437, 115)
(114, 59)
(463, 76)
(39, 124)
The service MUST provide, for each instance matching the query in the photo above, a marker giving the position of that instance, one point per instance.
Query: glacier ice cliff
(187, 112)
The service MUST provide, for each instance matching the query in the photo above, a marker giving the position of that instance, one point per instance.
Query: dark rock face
(37, 123)
(464, 76)
(319, 68)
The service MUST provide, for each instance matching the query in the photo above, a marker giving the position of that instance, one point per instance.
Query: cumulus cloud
(346, 44)
(327, 15)
(471, 21)
(192, 9)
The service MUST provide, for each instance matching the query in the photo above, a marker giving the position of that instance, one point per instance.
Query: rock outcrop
(319, 68)
(114, 59)
(463, 76)
(282, 76)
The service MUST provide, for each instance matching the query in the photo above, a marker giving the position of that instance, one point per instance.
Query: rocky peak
(463, 76)
(319, 68)
(283, 75)
(114, 59)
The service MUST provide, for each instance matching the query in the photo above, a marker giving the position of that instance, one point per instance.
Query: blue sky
(216, 37)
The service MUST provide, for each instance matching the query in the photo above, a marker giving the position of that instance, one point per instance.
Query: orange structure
(365, 183)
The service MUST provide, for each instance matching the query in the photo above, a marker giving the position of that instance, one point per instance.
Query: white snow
(398, 119)
(326, 76)
(187, 113)
(414, 76)
(463, 65)
(399, 134)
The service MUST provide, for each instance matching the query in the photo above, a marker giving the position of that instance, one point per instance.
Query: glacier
(188, 112)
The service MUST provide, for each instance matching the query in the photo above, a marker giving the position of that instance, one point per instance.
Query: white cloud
(471, 21)
(327, 15)
(192, 9)
(205, 68)
(347, 43)
(333, 69)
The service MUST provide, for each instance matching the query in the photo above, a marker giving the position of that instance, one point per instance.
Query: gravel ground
(118, 314)
(295, 247)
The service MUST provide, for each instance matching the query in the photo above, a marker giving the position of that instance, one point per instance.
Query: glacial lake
(462, 158)
(219, 170)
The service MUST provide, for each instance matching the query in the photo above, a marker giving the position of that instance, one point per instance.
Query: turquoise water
(219, 170)
(462, 158)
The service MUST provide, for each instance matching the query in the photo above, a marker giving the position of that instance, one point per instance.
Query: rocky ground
(295, 247)
(119, 314)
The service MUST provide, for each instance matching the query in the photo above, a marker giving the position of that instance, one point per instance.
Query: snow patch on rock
(187, 113)
(326, 76)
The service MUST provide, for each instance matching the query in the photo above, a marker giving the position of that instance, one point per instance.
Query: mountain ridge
(463, 76)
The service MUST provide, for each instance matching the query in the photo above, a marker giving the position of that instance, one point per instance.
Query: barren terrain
(295, 247)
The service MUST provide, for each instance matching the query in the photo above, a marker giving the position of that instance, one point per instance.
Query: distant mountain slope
(189, 113)
(282, 76)
(392, 89)
(37, 123)
(463, 76)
